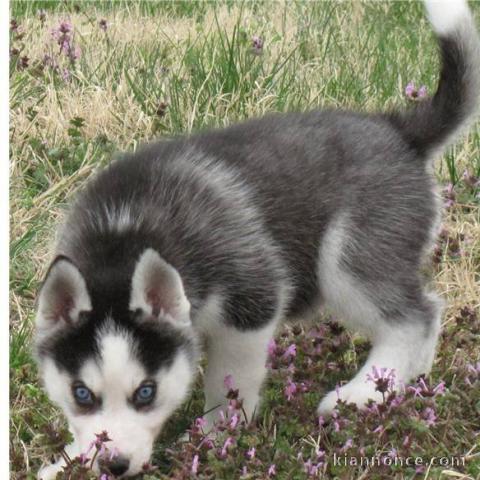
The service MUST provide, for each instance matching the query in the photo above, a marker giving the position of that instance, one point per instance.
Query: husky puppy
(221, 235)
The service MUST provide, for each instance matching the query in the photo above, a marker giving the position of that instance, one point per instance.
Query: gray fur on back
(242, 212)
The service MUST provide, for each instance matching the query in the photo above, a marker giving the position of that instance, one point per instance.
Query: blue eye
(83, 395)
(144, 394)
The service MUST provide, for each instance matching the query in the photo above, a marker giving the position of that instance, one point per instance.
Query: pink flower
(200, 423)
(251, 453)
(422, 92)
(272, 347)
(474, 368)
(228, 443)
(337, 391)
(380, 429)
(195, 464)
(413, 94)
(470, 180)
(348, 445)
(384, 378)
(410, 89)
(291, 351)
(440, 388)
(65, 27)
(271, 470)
(290, 389)
(417, 391)
(257, 45)
(234, 421)
(228, 382)
(429, 416)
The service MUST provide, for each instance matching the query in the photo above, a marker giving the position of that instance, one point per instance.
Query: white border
(4, 239)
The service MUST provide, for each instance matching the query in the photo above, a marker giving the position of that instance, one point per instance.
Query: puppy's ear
(63, 296)
(157, 290)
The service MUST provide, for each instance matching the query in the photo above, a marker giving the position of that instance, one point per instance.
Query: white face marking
(114, 379)
(120, 219)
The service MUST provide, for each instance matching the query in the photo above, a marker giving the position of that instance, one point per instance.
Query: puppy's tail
(435, 121)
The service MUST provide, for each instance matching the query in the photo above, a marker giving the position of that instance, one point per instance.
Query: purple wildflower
(290, 389)
(429, 416)
(272, 347)
(311, 468)
(234, 421)
(380, 429)
(336, 418)
(228, 382)
(439, 389)
(348, 444)
(384, 378)
(251, 453)
(337, 391)
(422, 92)
(291, 351)
(413, 94)
(417, 391)
(257, 45)
(449, 194)
(410, 89)
(470, 180)
(200, 423)
(65, 27)
(228, 443)
(474, 368)
(272, 470)
(397, 401)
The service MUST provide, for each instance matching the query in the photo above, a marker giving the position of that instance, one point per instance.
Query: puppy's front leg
(241, 354)
(49, 472)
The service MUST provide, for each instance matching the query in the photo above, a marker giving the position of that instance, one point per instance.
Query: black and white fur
(221, 235)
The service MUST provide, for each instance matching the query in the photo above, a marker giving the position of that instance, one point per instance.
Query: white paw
(49, 472)
(353, 392)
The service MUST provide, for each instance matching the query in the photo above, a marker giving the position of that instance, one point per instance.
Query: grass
(163, 68)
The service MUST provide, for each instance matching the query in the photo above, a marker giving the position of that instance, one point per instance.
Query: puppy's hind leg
(401, 320)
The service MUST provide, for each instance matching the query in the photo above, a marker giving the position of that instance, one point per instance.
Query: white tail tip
(446, 15)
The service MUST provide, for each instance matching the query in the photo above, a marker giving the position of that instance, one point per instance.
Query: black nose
(118, 465)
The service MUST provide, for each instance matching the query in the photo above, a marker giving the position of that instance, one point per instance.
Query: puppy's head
(123, 371)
